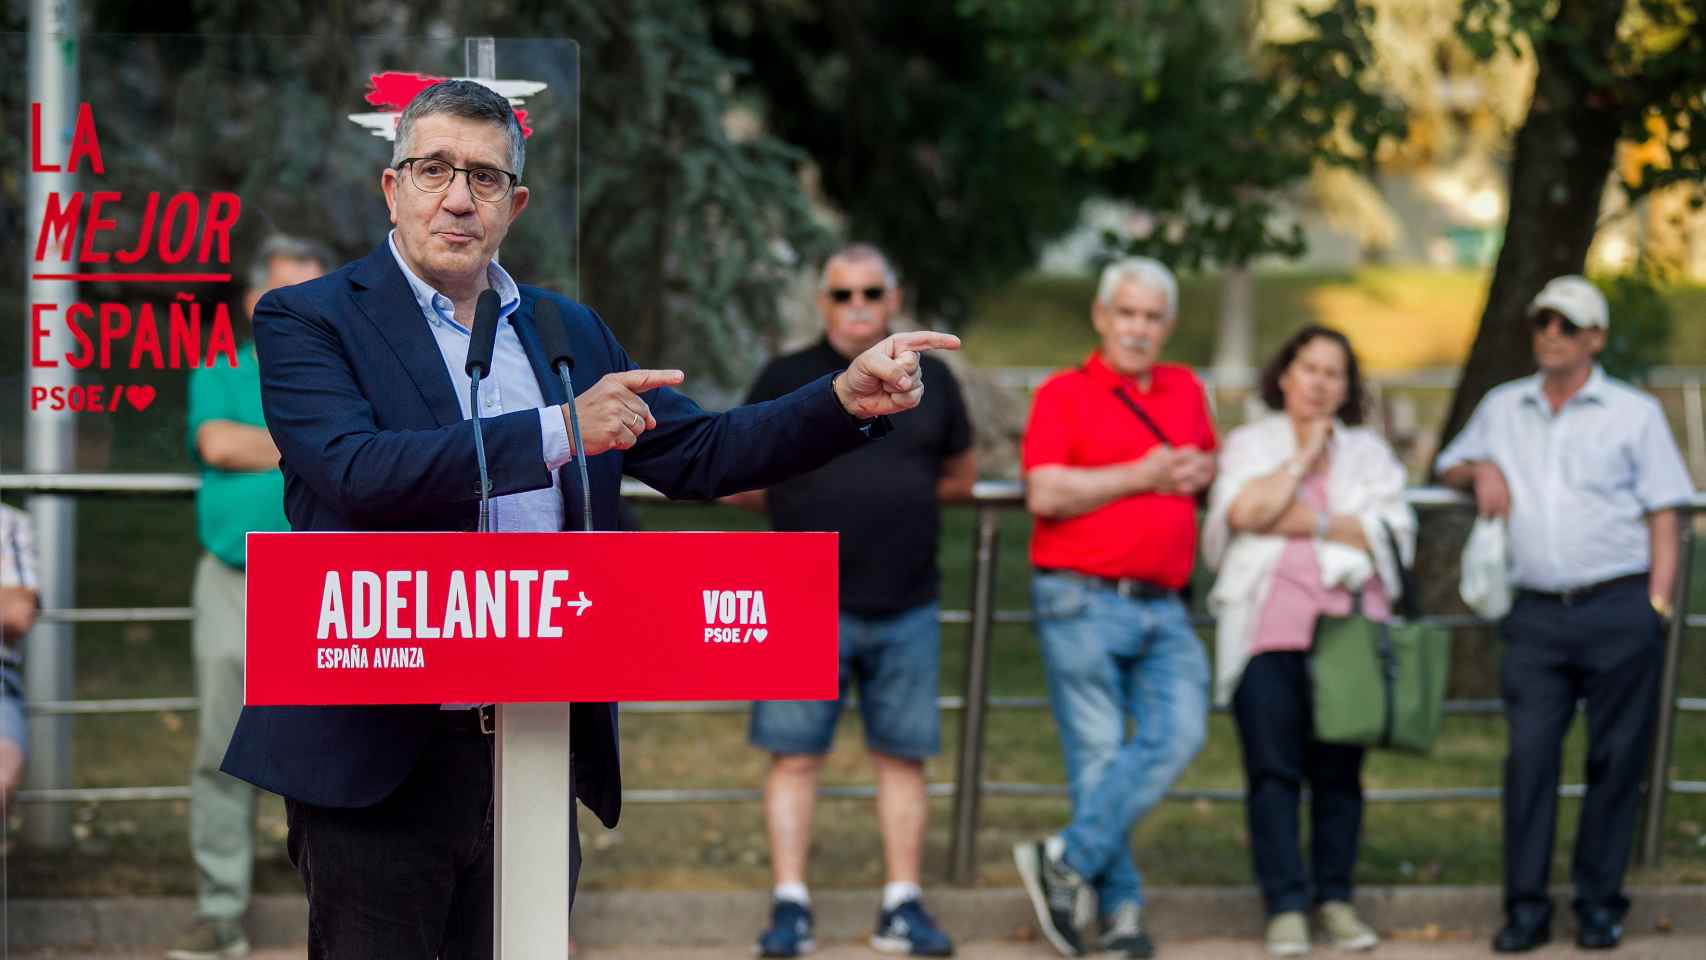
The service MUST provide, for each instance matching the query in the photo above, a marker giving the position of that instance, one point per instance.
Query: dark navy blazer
(358, 399)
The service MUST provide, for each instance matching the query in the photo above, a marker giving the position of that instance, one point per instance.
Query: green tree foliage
(1640, 329)
(1170, 106)
(687, 232)
(962, 136)
(905, 118)
(1648, 71)
(1608, 70)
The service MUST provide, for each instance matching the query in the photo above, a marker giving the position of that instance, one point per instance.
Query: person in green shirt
(242, 490)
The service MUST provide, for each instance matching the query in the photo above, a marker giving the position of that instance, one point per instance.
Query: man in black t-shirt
(882, 500)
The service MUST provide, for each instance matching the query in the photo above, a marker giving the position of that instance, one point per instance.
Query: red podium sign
(374, 618)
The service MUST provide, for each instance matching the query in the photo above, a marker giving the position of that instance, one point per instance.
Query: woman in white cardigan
(1295, 530)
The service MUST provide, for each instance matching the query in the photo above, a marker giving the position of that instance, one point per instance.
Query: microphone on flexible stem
(479, 364)
(554, 337)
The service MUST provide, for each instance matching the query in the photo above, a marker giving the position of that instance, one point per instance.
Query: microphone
(485, 332)
(554, 337)
(478, 364)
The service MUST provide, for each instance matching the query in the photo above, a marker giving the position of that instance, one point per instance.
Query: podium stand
(530, 876)
(534, 622)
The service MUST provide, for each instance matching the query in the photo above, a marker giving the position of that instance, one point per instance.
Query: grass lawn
(1398, 318)
(1688, 332)
(142, 848)
(142, 552)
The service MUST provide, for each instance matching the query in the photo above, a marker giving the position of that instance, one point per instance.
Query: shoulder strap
(1138, 412)
(1409, 606)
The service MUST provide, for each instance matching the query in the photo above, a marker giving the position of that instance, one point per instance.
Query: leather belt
(1126, 587)
(1575, 595)
(481, 720)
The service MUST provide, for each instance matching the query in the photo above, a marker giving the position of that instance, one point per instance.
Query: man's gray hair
(286, 247)
(858, 251)
(468, 100)
(1143, 271)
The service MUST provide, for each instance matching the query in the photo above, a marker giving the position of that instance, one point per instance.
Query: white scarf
(1364, 479)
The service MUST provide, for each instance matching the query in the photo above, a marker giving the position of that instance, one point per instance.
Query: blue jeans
(895, 660)
(1110, 658)
(13, 725)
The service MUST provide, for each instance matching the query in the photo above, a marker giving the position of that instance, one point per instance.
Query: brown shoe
(210, 939)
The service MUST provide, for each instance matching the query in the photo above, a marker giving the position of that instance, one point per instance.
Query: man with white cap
(1586, 471)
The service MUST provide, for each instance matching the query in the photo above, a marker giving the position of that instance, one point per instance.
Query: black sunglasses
(1544, 318)
(845, 295)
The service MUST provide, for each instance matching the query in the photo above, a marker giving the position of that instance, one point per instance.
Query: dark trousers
(1606, 650)
(409, 878)
(1276, 730)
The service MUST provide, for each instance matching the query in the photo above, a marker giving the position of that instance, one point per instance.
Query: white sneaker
(1344, 928)
(1288, 934)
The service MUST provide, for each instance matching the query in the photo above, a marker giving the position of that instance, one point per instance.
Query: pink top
(1298, 597)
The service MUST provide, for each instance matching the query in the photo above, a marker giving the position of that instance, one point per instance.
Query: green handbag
(1380, 684)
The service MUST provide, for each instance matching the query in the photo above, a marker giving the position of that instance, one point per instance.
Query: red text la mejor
(172, 229)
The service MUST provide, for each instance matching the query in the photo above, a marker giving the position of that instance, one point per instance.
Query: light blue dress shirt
(510, 386)
(1582, 480)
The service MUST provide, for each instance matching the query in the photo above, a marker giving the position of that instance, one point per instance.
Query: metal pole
(480, 57)
(968, 783)
(533, 787)
(1658, 779)
(1694, 418)
(50, 438)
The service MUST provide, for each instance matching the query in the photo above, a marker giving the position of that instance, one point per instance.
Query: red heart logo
(139, 396)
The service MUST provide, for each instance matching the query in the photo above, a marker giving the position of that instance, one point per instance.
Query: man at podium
(364, 390)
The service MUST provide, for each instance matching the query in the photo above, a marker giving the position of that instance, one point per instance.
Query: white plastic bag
(1485, 583)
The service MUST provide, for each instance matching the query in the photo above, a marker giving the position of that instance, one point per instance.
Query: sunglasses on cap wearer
(1566, 326)
(845, 295)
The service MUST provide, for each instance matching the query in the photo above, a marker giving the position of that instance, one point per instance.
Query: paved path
(1653, 947)
(1640, 948)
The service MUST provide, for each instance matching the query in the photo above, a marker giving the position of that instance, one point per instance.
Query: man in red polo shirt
(1115, 454)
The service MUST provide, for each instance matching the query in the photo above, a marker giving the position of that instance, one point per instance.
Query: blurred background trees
(724, 144)
(690, 224)
(1607, 70)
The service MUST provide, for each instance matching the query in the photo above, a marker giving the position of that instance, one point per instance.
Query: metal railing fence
(1685, 384)
(989, 500)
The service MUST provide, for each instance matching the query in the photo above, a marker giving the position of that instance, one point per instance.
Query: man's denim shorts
(13, 726)
(895, 661)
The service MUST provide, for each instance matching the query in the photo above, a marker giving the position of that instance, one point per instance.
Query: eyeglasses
(431, 175)
(845, 295)
(1566, 326)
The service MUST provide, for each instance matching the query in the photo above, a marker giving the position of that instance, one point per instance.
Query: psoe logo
(392, 90)
(735, 616)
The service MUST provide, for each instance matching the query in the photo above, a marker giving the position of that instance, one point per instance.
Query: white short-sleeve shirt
(17, 549)
(1582, 480)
